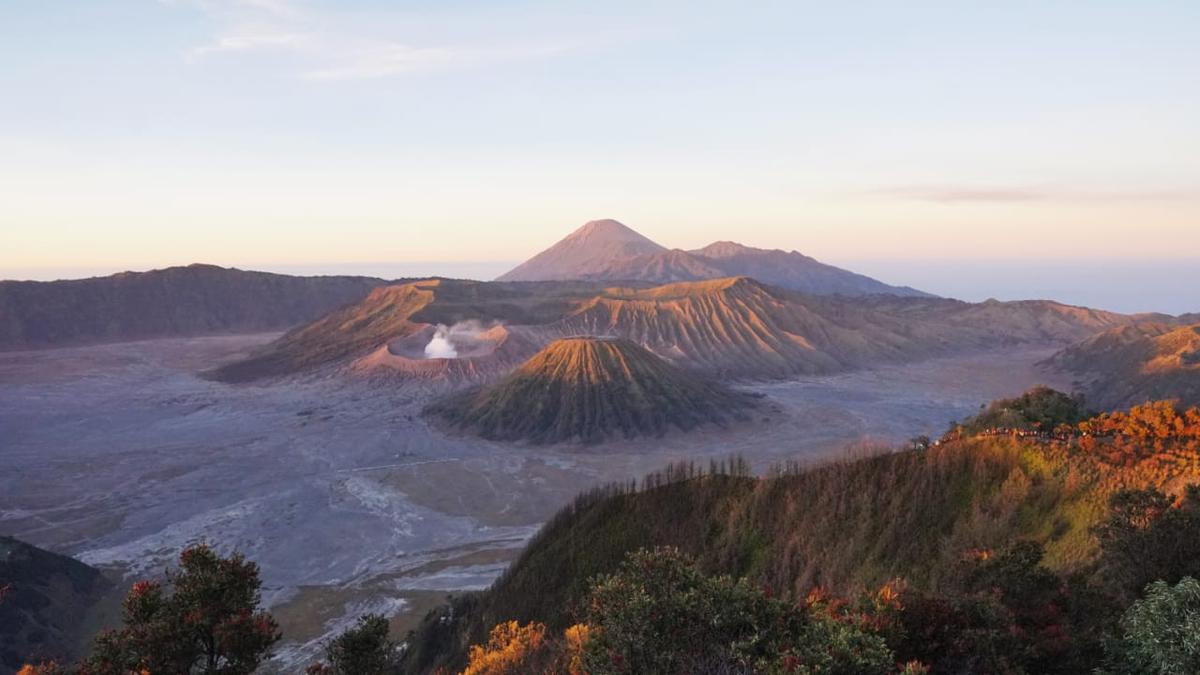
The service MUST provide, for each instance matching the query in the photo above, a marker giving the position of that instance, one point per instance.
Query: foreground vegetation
(1020, 548)
(1031, 539)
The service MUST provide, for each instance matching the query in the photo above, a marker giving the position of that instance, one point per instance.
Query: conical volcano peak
(607, 228)
(592, 248)
(592, 389)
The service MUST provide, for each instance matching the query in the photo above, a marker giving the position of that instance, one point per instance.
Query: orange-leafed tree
(512, 649)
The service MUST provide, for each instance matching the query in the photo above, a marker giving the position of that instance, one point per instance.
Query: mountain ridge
(610, 251)
(1128, 365)
(196, 299)
(733, 327)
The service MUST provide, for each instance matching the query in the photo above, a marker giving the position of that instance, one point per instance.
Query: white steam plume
(440, 346)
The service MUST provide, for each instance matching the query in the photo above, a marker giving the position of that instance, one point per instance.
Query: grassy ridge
(847, 526)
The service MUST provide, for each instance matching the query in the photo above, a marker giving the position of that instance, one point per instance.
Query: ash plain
(350, 502)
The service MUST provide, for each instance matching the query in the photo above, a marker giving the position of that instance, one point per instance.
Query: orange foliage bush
(1154, 430)
(511, 649)
(575, 640)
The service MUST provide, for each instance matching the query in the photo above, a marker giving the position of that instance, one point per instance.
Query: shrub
(1039, 409)
(364, 649)
(1146, 538)
(205, 619)
(659, 614)
(513, 649)
(1161, 632)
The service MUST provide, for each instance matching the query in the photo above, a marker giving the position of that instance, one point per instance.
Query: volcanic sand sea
(350, 502)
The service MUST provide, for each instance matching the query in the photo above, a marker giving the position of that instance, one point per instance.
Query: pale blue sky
(271, 133)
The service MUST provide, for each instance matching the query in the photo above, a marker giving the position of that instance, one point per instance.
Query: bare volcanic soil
(591, 389)
(1133, 364)
(730, 328)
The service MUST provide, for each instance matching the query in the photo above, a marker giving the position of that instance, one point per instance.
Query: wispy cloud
(251, 41)
(962, 194)
(281, 8)
(367, 61)
(951, 194)
(325, 54)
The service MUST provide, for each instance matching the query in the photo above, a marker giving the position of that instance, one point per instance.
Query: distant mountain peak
(609, 229)
(608, 250)
(588, 250)
(725, 249)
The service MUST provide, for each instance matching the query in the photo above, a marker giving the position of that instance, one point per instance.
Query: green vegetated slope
(846, 527)
(590, 389)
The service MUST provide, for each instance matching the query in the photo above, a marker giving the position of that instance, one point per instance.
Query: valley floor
(120, 455)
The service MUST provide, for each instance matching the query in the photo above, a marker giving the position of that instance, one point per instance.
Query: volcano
(606, 250)
(592, 389)
(587, 251)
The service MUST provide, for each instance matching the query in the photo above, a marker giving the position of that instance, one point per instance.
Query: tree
(1039, 409)
(1146, 538)
(999, 612)
(364, 649)
(1161, 632)
(204, 619)
(513, 649)
(659, 614)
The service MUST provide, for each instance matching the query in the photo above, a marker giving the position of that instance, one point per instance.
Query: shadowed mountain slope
(591, 389)
(177, 301)
(659, 268)
(47, 600)
(794, 270)
(1133, 364)
(1000, 323)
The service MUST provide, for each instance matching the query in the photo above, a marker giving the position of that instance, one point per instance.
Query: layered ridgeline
(608, 250)
(46, 602)
(916, 515)
(390, 327)
(177, 301)
(736, 327)
(743, 328)
(592, 389)
(1132, 364)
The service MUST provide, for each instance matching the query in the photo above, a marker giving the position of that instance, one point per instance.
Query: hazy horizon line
(1116, 284)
